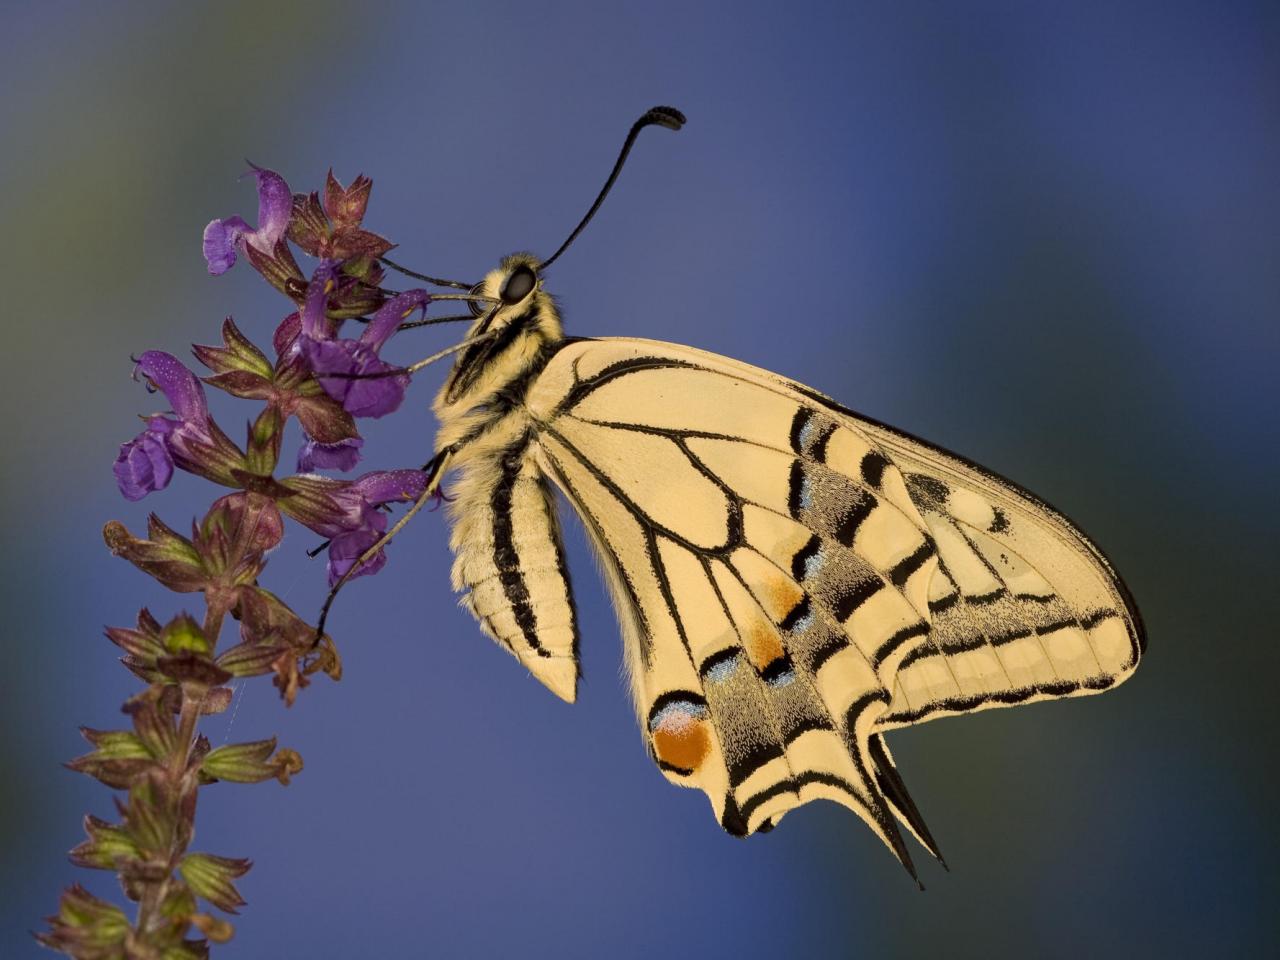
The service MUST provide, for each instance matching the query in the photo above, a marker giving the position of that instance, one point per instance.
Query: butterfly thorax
(489, 380)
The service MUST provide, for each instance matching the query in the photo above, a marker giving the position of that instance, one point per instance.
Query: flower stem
(183, 782)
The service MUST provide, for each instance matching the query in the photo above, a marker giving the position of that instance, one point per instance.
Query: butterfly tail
(895, 793)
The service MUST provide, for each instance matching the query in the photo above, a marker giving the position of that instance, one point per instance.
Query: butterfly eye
(519, 285)
(477, 307)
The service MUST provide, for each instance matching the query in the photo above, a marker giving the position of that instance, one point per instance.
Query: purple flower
(374, 396)
(143, 464)
(223, 237)
(343, 455)
(347, 513)
(192, 441)
(346, 548)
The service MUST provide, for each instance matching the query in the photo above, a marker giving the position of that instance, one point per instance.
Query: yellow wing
(793, 579)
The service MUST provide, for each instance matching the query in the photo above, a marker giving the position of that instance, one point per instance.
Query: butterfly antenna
(668, 117)
(458, 284)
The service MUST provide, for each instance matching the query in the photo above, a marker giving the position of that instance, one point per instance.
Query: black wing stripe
(795, 785)
(904, 568)
(504, 551)
(855, 595)
(861, 508)
(1055, 688)
(907, 633)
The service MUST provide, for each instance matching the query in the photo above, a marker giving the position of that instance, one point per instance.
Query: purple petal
(345, 549)
(220, 238)
(343, 455)
(345, 512)
(390, 315)
(330, 356)
(314, 324)
(373, 397)
(143, 465)
(177, 383)
(275, 204)
(383, 486)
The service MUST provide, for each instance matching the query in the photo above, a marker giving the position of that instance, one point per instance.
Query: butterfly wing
(1023, 606)
(776, 560)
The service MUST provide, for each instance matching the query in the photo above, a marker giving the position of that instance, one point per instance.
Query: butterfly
(793, 580)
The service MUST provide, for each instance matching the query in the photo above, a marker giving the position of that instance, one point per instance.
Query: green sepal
(279, 269)
(265, 436)
(250, 659)
(167, 556)
(86, 926)
(108, 847)
(211, 877)
(116, 744)
(237, 355)
(151, 815)
(251, 762)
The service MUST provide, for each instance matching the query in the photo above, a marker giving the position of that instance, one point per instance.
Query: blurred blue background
(1041, 234)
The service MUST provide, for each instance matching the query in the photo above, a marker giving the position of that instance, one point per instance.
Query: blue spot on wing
(722, 670)
(676, 711)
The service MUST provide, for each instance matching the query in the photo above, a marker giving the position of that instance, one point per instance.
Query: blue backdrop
(1041, 234)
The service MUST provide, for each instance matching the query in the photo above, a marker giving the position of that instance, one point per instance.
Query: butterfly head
(513, 285)
(515, 321)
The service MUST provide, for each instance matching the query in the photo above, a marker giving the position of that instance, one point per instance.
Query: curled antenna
(668, 117)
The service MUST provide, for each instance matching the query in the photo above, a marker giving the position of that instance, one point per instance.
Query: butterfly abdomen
(508, 555)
